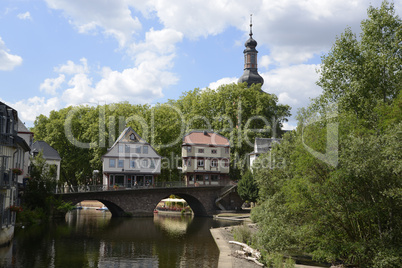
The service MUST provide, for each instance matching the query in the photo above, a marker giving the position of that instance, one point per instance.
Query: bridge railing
(99, 188)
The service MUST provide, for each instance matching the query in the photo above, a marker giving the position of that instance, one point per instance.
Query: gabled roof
(125, 137)
(49, 153)
(205, 138)
(22, 128)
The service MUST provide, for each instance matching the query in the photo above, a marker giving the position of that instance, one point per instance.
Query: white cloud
(8, 61)
(289, 126)
(156, 43)
(142, 84)
(72, 68)
(200, 17)
(24, 16)
(29, 109)
(50, 85)
(294, 85)
(113, 17)
(223, 81)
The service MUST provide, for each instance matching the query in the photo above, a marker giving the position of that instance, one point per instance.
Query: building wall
(139, 159)
(206, 154)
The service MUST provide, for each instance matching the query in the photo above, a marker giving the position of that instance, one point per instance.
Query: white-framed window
(145, 149)
(112, 162)
(132, 163)
(189, 162)
(121, 163)
(127, 148)
(213, 151)
(214, 163)
(121, 148)
(201, 151)
(188, 148)
(152, 164)
(144, 163)
(138, 149)
(200, 163)
(226, 150)
(225, 162)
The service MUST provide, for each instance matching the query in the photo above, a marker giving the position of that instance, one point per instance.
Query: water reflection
(89, 238)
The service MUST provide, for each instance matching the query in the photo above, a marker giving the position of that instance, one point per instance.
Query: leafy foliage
(349, 211)
(82, 134)
(247, 187)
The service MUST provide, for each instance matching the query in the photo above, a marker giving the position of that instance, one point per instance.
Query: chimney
(205, 133)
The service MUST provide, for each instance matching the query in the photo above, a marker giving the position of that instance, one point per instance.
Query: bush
(242, 233)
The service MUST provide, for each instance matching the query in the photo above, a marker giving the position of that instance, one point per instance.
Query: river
(91, 238)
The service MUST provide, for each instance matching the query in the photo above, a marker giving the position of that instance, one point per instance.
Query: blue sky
(55, 53)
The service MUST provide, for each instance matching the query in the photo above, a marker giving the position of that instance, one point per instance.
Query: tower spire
(251, 26)
(251, 75)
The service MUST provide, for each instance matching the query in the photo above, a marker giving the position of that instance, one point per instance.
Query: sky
(56, 53)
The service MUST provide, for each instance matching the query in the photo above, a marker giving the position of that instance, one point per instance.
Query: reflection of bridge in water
(203, 200)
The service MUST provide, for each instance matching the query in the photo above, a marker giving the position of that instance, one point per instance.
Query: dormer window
(132, 137)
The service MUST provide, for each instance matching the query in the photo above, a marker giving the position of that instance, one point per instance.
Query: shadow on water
(90, 238)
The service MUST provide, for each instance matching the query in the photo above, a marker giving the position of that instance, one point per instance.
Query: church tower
(251, 75)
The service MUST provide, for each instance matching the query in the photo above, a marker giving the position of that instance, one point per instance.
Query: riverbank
(227, 255)
(222, 236)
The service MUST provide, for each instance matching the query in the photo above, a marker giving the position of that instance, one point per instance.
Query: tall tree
(358, 73)
(349, 210)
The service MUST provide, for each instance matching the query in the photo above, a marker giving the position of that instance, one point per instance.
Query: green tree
(247, 187)
(350, 210)
(41, 184)
(358, 73)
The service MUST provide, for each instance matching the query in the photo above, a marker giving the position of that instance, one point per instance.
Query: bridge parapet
(101, 188)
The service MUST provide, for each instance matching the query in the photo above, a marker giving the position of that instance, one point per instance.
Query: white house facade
(206, 158)
(131, 162)
(261, 146)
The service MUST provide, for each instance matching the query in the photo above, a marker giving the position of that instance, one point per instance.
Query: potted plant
(17, 171)
(15, 208)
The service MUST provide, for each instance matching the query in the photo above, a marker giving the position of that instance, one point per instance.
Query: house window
(213, 151)
(144, 163)
(200, 163)
(189, 162)
(120, 150)
(214, 163)
(152, 164)
(112, 162)
(226, 150)
(127, 149)
(144, 149)
(132, 163)
(214, 177)
(121, 164)
(188, 149)
(225, 162)
(132, 137)
(201, 150)
(138, 149)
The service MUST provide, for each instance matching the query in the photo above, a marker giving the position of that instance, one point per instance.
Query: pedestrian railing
(100, 188)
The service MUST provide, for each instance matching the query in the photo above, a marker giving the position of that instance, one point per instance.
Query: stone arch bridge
(203, 200)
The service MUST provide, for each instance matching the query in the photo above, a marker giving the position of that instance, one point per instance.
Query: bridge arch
(196, 206)
(142, 202)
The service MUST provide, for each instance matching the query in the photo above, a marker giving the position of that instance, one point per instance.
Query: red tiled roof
(209, 138)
